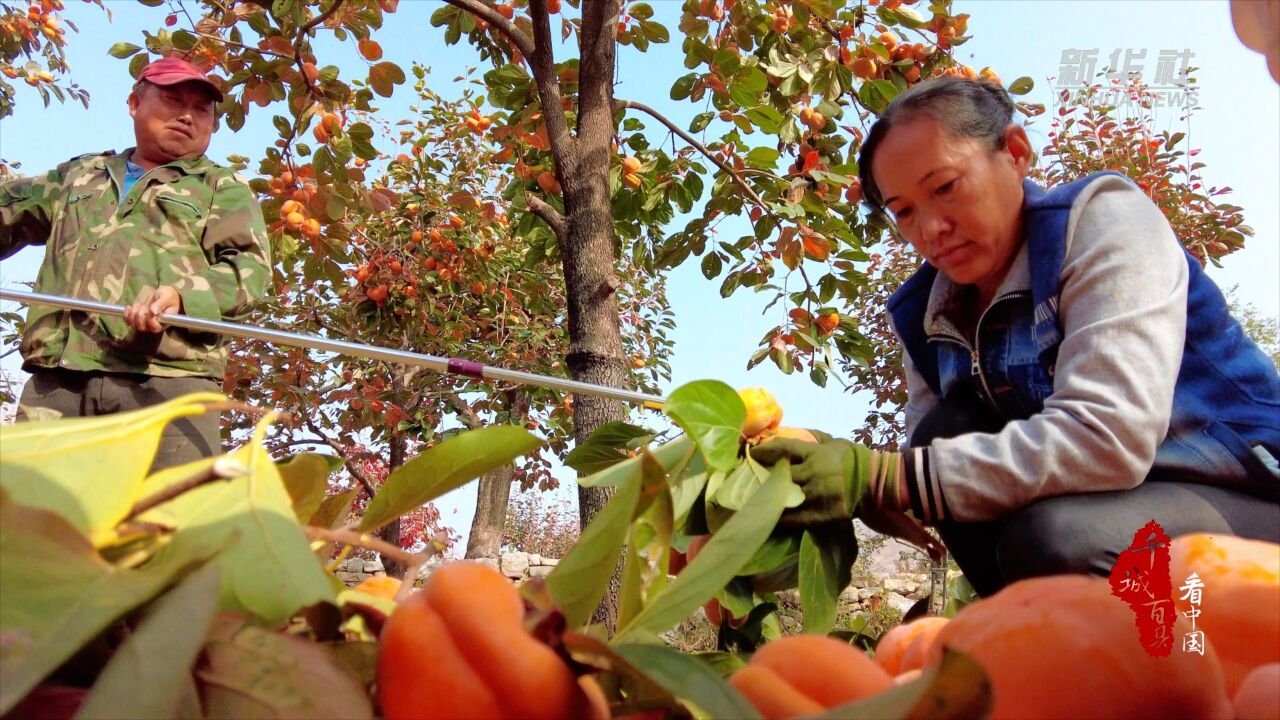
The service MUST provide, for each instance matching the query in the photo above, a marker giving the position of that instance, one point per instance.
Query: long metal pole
(451, 366)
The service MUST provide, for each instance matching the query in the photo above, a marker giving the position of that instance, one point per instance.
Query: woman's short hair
(965, 108)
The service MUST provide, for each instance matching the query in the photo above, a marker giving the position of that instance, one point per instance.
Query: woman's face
(956, 201)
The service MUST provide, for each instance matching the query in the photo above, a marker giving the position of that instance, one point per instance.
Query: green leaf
(122, 50)
(444, 15)
(449, 465)
(147, 676)
(250, 671)
(713, 415)
(763, 157)
(136, 65)
(689, 679)
(1021, 86)
(742, 95)
(333, 509)
(734, 489)
(701, 121)
(606, 447)
(781, 549)
(271, 571)
(754, 79)
(581, 578)
(730, 547)
(827, 553)
(59, 593)
(683, 86)
(621, 435)
(590, 458)
(765, 118)
(956, 688)
(306, 477)
(686, 486)
(648, 549)
(671, 455)
(45, 463)
(873, 97)
(384, 76)
(184, 41)
(711, 265)
(886, 89)
(656, 32)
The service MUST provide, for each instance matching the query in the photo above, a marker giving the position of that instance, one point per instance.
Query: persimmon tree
(432, 266)
(584, 199)
(33, 37)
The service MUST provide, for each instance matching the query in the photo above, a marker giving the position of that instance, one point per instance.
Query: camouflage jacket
(191, 224)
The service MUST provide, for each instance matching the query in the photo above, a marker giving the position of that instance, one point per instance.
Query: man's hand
(143, 315)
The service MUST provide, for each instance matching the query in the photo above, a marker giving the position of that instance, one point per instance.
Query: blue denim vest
(1226, 401)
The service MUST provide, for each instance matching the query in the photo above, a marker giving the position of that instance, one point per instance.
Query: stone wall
(899, 591)
(518, 566)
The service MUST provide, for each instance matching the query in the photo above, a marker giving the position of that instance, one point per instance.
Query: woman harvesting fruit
(1072, 372)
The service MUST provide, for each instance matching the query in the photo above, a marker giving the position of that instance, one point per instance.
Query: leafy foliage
(35, 31)
(1092, 132)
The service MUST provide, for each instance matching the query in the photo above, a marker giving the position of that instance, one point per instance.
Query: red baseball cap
(172, 71)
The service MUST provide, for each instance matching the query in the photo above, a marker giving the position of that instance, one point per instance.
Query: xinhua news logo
(1166, 74)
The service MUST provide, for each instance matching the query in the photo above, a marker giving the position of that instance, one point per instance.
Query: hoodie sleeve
(1123, 309)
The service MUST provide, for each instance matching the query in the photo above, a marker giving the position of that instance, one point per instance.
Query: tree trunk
(491, 514)
(595, 336)
(494, 489)
(391, 531)
(585, 231)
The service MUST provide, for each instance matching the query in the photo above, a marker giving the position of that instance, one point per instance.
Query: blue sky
(1238, 128)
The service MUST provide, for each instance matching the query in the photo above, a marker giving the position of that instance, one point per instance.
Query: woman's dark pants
(1083, 533)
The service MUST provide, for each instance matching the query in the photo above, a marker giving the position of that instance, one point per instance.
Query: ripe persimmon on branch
(692, 141)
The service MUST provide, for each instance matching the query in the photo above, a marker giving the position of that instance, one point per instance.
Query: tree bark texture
(493, 491)
(491, 513)
(587, 242)
(391, 531)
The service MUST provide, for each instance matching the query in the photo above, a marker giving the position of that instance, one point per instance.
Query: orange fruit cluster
(1066, 647)
(630, 168)
(1034, 633)
(459, 648)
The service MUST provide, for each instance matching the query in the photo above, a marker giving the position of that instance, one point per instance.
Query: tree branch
(597, 50)
(724, 166)
(351, 467)
(464, 411)
(316, 22)
(542, 63)
(497, 22)
(224, 468)
(549, 214)
(242, 46)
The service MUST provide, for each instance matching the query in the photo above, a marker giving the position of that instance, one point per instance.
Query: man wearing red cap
(159, 228)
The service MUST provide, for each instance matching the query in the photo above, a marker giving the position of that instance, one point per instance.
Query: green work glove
(836, 476)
